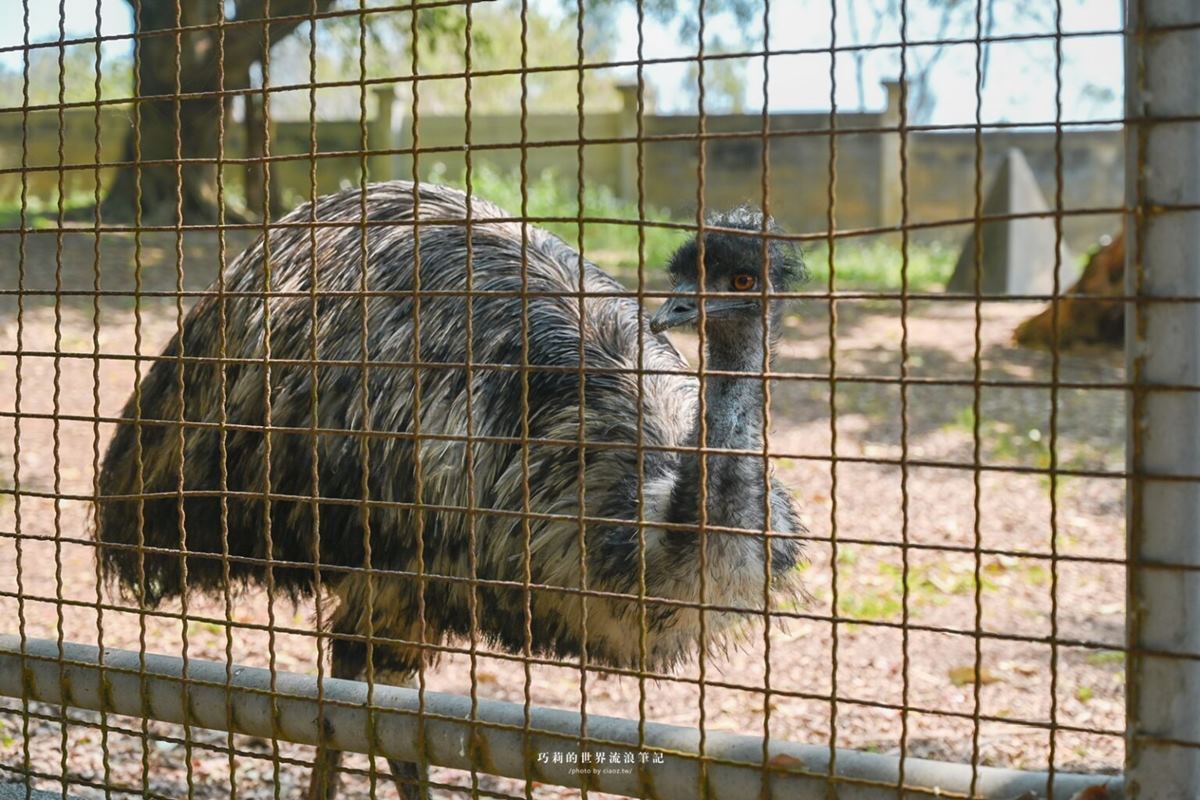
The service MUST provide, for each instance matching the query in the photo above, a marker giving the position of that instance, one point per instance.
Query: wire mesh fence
(409, 381)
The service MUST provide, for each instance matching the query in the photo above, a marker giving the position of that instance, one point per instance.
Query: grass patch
(879, 265)
(874, 265)
(612, 246)
(878, 597)
(869, 606)
(1036, 575)
(964, 420)
(1104, 657)
(42, 211)
(1006, 442)
(847, 556)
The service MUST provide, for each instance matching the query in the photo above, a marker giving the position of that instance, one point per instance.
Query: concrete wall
(866, 191)
(552, 144)
(41, 136)
(942, 177)
(941, 165)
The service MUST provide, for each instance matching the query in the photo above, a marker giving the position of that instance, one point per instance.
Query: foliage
(76, 80)
(442, 49)
(875, 265)
(551, 39)
(613, 246)
(1106, 657)
(724, 80)
(683, 14)
(42, 211)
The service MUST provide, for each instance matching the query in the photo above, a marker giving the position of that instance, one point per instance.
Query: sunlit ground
(979, 548)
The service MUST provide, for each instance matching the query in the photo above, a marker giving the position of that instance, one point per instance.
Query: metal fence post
(1163, 358)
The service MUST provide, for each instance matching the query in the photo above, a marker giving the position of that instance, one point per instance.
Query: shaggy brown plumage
(258, 523)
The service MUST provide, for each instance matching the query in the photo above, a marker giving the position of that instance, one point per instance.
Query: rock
(1017, 254)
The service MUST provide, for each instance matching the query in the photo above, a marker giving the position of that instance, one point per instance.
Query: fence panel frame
(1163, 347)
(1162, 41)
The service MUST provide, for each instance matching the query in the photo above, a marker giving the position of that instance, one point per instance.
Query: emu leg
(325, 779)
(411, 778)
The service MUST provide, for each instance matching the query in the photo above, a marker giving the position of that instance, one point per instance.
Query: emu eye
(744, 282)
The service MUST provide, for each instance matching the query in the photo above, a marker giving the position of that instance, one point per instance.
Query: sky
(1020, 84)
(80, 16)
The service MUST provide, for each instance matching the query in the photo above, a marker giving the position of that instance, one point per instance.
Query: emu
(282, 447)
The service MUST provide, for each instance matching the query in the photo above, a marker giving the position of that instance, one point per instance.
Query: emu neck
(733, 417)
(733, 404)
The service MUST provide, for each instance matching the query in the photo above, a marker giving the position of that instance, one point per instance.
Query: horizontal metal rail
(488, 735)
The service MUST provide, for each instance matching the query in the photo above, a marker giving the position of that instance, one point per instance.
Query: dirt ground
(980, 547)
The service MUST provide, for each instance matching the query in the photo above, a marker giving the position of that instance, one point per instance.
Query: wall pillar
(1162, 348)
(259, 172)
(627, 180)
(888, 209)
(381, 135)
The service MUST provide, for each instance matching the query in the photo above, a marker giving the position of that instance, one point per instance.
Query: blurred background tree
(199, 65)
(941, 78)
(184, 77)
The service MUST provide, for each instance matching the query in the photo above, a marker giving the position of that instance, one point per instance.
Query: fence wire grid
(316, 450)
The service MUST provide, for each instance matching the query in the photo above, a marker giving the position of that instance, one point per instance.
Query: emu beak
(676, 311)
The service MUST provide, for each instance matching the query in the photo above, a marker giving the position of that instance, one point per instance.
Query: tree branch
(244, 44)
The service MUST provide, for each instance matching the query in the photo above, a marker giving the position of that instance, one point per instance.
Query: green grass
(1005, 441)
(1104, 657)
(879, 598)
(879, 264)
(872, 265)
(858, 265)
(613, 246)
(42, 212)
(869, 606)
(1020, 442)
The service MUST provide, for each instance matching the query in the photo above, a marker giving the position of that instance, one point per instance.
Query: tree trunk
(262, 191)
(171, 129)
(174, 129)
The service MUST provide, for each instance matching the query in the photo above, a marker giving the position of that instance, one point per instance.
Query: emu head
(742, 270)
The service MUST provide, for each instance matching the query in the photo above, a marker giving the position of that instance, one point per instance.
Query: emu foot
(326, 778)
(412, 782)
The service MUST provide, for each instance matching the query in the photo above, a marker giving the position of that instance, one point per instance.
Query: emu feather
(381, 427)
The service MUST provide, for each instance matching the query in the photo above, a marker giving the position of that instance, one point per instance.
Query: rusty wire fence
(398, 474)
